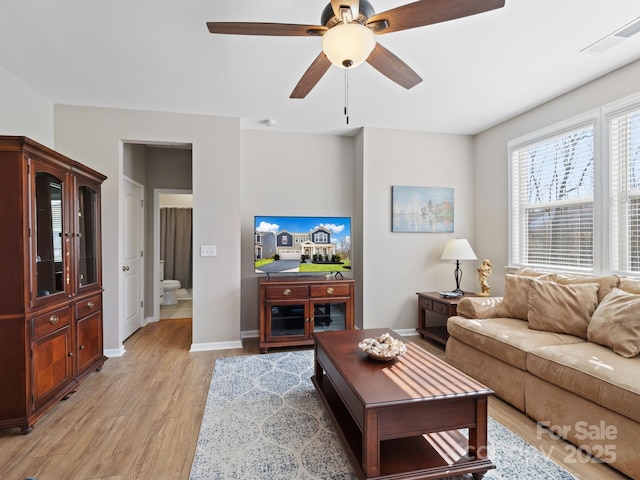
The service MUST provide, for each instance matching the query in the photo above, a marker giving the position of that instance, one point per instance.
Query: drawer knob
(286, 292)
(91, 305)
(330, 290)
(53, 319)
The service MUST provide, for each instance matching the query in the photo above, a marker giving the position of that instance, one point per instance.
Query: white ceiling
(159, 55)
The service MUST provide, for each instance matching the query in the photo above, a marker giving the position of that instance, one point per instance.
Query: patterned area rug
(264, 420)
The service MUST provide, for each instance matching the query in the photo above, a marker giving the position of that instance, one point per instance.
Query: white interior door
(132, 261)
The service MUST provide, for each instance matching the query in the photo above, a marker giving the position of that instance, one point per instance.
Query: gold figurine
(483, 272)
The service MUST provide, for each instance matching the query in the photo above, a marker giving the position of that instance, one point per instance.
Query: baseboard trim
(407, 332)
(249, 334)
(207, 347)
(115, 352)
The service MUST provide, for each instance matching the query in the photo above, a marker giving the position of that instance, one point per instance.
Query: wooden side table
(433, 311)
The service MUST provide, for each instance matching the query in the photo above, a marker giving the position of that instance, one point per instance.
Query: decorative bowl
(383, 348)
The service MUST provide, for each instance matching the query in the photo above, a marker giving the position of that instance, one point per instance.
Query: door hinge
(141, 253)
(141, 203)
(141, 304)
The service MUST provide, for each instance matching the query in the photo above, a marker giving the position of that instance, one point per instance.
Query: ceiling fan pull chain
(346, 94)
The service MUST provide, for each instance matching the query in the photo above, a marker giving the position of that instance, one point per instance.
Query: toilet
(168, 288)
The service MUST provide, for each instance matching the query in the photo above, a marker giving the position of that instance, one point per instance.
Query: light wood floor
(140, 416)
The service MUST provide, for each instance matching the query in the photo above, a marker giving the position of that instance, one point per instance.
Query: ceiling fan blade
(312, 76)
(273, 29)
(392, 67)
(354, 5)
(427, 12)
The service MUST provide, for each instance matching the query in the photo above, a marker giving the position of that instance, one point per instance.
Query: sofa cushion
(562, 308)
(516, 293)
(629, 284)
(606, 282)
(616, 323)
(507, 339)
(591, 371)
(481, 307)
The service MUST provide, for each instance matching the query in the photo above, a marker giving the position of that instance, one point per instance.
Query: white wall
(289, 174)
(94, 136)
(491, 171)
(23, 111)
(397, 265)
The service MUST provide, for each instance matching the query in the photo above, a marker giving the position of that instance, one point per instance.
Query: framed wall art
(421, 209)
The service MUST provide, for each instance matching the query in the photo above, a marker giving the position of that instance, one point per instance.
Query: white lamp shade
(458, 249)
(347, 45)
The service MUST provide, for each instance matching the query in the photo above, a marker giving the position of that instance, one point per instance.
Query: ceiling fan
(348, 28)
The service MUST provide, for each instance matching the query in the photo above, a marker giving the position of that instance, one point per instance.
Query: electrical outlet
(207, 250)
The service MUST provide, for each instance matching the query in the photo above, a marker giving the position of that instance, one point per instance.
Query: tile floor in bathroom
(182, 310)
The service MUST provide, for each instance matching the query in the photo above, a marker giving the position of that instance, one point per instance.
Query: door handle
(125, 269)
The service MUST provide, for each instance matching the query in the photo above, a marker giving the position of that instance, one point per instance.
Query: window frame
(602, 195)
(588, 119)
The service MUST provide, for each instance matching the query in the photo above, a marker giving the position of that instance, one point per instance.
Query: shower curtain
(176, 244)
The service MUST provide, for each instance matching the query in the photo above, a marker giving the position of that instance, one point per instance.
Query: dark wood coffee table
(400, 419)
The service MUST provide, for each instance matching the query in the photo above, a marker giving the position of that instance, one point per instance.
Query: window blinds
(624, 154)
(552, 194)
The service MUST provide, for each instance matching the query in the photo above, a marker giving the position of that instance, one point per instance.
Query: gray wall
(289, 174)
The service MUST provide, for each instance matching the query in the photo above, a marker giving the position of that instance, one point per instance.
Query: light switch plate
(207, 250)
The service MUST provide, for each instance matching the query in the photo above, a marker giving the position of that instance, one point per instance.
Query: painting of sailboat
(422, 209)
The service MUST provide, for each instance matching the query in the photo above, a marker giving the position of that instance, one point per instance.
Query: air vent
(614, 38)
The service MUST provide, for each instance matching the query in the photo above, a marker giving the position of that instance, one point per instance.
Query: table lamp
(458, 249)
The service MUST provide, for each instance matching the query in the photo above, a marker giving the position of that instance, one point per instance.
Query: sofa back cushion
(616, 323)
(516, 293)
(554, 307)
(606, 282)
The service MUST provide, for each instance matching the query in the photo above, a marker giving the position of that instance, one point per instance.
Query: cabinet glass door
(329, 315)
(51, 238)
(86, 236)
(287, 319)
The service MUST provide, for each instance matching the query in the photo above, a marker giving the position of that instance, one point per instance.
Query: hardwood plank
(140, 416)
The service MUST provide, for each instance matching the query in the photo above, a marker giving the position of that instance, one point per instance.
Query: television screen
(302, 244)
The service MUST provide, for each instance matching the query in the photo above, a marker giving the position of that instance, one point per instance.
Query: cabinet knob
(53, 319)
(125, 268)
(71, 354)
(330, 290)
(81, 347)
(286, 292)
(91, 305)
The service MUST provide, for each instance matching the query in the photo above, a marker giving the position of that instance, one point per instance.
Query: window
(320, 237)
(624, 154)
(552, 199)
(575, 179)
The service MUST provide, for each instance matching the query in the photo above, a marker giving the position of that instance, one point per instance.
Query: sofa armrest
(481, 307)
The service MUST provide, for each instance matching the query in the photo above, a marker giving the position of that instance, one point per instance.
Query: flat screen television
(302, 244)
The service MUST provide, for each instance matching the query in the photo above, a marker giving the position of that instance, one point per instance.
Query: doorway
(169, 204)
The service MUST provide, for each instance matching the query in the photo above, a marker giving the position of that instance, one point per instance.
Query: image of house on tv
(291, 246)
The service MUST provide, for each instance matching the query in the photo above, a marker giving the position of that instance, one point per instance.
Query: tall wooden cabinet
(51, 281)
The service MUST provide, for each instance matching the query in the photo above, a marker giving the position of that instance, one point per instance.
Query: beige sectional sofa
(564, 350)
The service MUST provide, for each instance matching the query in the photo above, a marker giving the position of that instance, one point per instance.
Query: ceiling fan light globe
(348, 45)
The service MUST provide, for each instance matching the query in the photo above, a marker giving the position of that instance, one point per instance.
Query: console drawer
(329, 291)
(293, 291)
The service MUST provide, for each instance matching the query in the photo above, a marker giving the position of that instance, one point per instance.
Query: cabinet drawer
(440, 308)
(50, 322)
(329, 291)
(283, 291)
(88, 306)
(426, 304)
